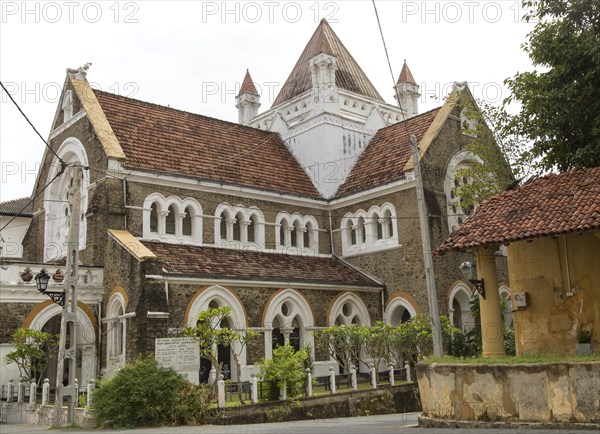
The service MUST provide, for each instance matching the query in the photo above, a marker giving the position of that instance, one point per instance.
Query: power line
(60, 172)
(32, 126)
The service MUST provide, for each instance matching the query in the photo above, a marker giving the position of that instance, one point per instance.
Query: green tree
(502, 154)
(286, 369)
(33, 350)
(560, 99)
(236, 341)
(343, 344)
(211, 331)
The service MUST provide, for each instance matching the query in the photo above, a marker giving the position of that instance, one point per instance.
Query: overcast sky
(192, 55)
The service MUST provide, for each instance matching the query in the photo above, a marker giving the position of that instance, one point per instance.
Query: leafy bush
(145, 394)
(286, 369)
(33, 350)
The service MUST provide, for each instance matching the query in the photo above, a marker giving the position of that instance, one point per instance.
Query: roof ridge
(167, 108)
(15, 200)
(409, 119)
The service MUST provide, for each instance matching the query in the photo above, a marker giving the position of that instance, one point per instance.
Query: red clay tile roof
(164, 140)
(219, 263)
(552, 205)
(405, 75)
(17, 207)
(248, 85)
(349, 75)
(386, 155)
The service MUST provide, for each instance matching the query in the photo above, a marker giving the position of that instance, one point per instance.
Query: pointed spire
(248, 85)
(322, 44)
(349, 75)
(405, 75)
(247, 101)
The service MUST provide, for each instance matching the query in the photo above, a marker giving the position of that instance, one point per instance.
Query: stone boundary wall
(548, 392)
(35, 414)
(384, 400)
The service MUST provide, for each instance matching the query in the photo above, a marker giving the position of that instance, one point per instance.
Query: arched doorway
(399, 308)
(47, 316)
(216, 297)
(459, 307)
(287, 314)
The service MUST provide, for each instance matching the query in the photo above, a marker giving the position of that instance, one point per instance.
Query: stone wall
(385, 400)
(548, 392)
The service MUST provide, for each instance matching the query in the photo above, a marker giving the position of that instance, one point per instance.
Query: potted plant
(584, 341)
(26, 275)
(58, 276)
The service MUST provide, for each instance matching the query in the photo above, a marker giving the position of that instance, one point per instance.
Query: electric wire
(60, 172)
(31, 124)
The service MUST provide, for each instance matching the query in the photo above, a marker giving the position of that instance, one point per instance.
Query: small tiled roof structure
(349, 75)
(237, 264)
(405, 75)
(386, 156)
(547, 206)
(164, 140)
(21, 207)
(248, 85)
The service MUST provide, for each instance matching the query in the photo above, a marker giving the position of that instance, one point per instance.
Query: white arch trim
(395, 303)
(56, 200)
(223, 297)
(297, 308)
(179, 207)
(86, 333)
(359, 309)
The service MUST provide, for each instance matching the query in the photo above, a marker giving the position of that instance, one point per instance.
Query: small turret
(408, 92)
(248, 100)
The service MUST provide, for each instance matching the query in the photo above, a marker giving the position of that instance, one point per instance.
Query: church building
(298, 217)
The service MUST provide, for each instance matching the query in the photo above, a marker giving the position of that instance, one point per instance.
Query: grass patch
(512, 360)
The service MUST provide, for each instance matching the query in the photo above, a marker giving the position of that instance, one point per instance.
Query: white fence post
(353, 377)
(309, 391)
(392, 379)
(407, 370)
(90, 391)
(283, 392)
(20, 392)
(373, 377)
(9, 396)
(221, 392)
(32, 392)
(331, 380)
(46, 391)
(254, 384)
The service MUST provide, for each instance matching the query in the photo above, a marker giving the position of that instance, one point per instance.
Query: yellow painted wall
(548, 325)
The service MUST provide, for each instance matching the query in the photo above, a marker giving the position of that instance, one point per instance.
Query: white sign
(181, 354)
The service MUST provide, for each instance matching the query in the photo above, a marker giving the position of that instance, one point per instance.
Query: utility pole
(67, 347)
(436, 329)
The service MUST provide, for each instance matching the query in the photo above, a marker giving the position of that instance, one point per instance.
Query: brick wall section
(12, 316)
(402, 269)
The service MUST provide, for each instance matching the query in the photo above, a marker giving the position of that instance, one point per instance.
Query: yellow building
(551, 226)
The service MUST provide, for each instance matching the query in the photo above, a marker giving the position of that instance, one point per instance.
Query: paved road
(386, 424)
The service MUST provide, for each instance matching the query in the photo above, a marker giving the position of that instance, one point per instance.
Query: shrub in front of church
(286, 369)
(144, 394)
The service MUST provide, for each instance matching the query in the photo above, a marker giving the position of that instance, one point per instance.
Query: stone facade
(143, 300)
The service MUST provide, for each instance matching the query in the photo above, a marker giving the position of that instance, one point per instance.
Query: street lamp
(468, 271)
(41, 280)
